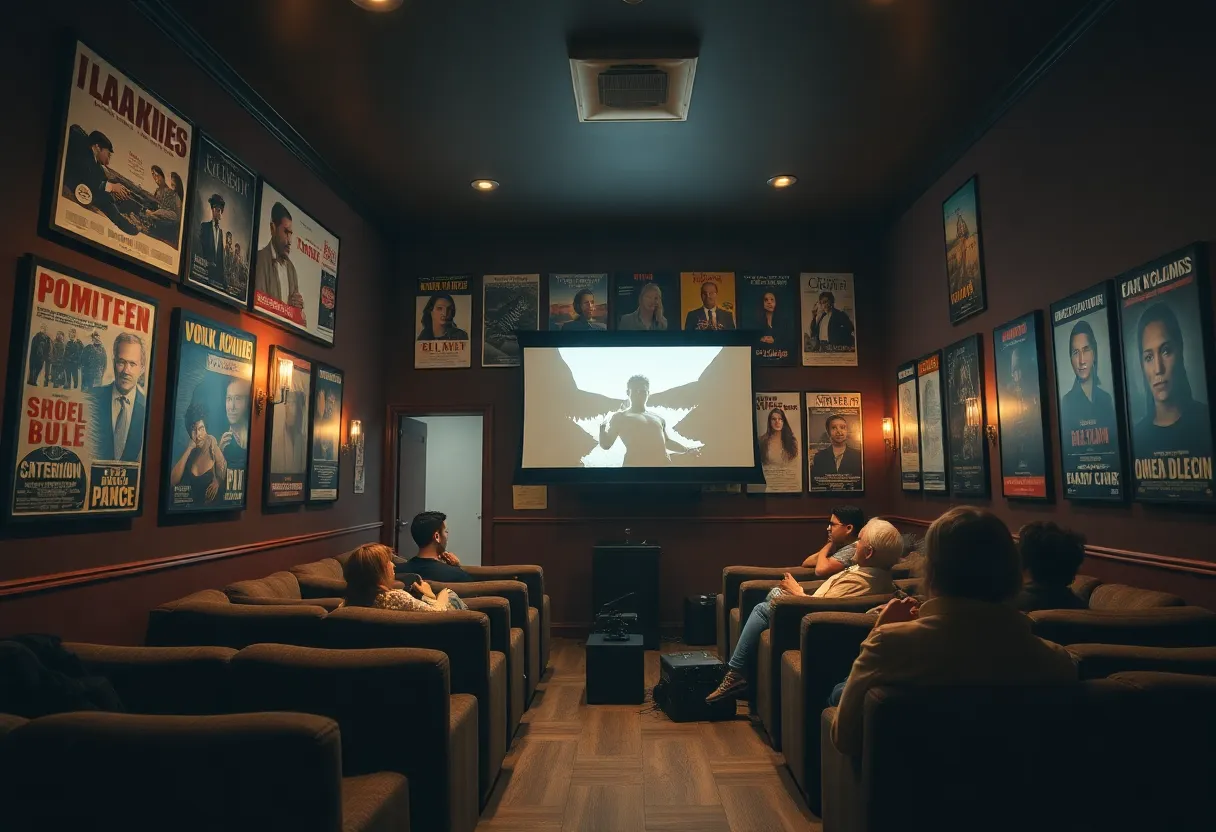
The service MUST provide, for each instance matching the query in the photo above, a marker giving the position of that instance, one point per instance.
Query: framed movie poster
(444, 311)
(122, 179)
(932, 423)
(578, 302)
(207, 438)
(219, 246)
(643, 301)
(909, 427)
(510, 303)
(1164, 322)
(79, 403)
(325, 434)
(295, 277)
(834, 442)
(1087, 377)
(967, 452)
(287, 409)
(964, 252)
(1020, 382)
(707, 300)
(779, 437)
(768, 304)
(829, 320)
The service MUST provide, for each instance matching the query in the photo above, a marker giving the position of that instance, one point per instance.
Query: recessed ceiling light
(378, 5)
(484, 185)
(783, 181)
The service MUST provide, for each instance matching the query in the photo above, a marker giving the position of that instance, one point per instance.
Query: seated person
(369, 579)
(878, 549)
(433, 561)
(1051, 557)
(838, 552)
(967, 633)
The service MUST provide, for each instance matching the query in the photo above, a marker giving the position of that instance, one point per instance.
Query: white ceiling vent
(658, 89)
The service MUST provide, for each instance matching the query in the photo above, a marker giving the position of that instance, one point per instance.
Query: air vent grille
(633, 86)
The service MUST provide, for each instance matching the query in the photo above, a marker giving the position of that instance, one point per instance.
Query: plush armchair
(1171, 626)
(169, 681)
(1097, 661)
(210, 618)
(533, 577)
(733, 578)
(277, 589)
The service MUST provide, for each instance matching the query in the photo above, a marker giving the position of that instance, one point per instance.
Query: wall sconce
(354, 436)
(888, 432)
(283, 385)
(990, 432)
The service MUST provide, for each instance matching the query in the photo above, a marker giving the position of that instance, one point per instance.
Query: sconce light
(283, 379)
(888, 432)
(354, 436)
(990, 432)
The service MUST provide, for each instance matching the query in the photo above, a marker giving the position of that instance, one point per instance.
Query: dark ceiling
(859, 98)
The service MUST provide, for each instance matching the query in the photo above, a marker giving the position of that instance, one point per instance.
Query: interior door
(411, 480)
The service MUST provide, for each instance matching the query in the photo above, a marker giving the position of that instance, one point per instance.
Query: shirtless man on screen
(645, 436)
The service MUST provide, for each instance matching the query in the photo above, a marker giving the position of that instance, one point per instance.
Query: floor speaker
(618, 569)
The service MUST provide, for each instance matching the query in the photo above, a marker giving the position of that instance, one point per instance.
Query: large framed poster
(1020, 382)
(578, 302)
(964, 253)
(779, 437)
(707, 300)
(834, 443)
(444, 310)
(219, 246)
(967, 452)
(122, 179)
(325, 434)
(79, 404)
(932, 427)
(829, 320)
(207, 439)
(1087, 378)
(646, 301)
(509, 303)
(909, 427)
(287, 450)
(1164, 322)
(295, 278)
(768, 304)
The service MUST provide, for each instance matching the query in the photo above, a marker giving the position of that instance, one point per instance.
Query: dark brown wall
(699, 533)
(1106, 163)
(31, 58)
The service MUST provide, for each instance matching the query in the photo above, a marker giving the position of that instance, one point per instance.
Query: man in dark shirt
(433, 561)
(1051, 557)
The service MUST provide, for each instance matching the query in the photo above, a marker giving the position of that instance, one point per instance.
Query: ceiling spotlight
(378, 5)
(484, 185)
(783, 181)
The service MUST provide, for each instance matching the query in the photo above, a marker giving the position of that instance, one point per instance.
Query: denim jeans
(743, 660)
(834, 696)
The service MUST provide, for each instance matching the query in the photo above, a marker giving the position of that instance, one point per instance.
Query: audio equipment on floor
(685, 679)
(616, 670)
(623, 569)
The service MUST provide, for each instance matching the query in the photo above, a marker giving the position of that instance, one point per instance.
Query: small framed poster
(219, 247)
(834, 443)
(646, 301)
(768, 305)
(964, 252)
(443, 308)
(325, 434)
(967, 452)
(932, 423)
(289, 384)
(1025, 461)
(509, 303)
(779, 438)
(909, 427)
(829, 320)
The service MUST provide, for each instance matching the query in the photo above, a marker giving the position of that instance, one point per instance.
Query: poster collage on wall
(829, 451)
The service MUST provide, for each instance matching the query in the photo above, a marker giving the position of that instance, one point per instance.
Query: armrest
(498, 610)
(843, 797)
(530, 575)
(161, 680)
(1097, 661)
(831, 642)
(516, 593)
(329, 604)
(752, 593)
(788, 611)
(733, 578)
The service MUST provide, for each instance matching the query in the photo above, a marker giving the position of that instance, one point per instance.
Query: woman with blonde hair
(369, 583)
(649, 314)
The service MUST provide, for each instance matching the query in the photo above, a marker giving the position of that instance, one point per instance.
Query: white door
(454, 479)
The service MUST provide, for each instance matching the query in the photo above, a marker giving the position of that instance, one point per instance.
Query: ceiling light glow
(783, 181)
(378, 5)
(484, 185)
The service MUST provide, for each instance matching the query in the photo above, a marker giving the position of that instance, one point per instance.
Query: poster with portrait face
(78, 438)
(123, 179)
(287, 409)
(1087, 378)
(646, 301)
(966, 450)
(295, 278)
(207, 453)
(779, 437)
(219, 245)
(578, 302)
(707, 300)
(909, 428)
(768, 304)
(1025, 467)
(325, 430)
(443, 309)
(834, 444)
(510, 303)
(932, 423)
(964, 255)
(829, 320)
(1165, 328)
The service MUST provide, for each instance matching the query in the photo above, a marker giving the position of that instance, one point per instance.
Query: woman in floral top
(369, 581)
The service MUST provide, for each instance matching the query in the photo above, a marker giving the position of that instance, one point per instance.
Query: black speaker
(619, 569)
(685, 679)
(699, 624)
(616, 671)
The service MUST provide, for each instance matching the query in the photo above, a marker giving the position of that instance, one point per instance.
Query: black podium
(620, 568)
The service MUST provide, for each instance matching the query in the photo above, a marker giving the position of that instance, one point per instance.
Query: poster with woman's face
(287, 411)
(646, 301)
(443, 309)
(779, 437)
(909, 428)
(932, 427)
(768, 305)
(1163, 324)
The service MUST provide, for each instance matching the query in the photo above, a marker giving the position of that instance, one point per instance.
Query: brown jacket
(855, 581)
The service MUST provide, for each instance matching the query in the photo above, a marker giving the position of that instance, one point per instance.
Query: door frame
(388, 497)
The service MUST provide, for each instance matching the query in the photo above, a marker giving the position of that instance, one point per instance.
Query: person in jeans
(879, 547)
(838, 552)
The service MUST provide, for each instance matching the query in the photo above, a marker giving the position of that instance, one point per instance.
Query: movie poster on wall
(646, 301)
(578, 302)
(510, 303)
(295, 280)
(325, 431)
(85, 383)
(768, 304)
(909, 428)
(123, 179)
(206, 463)
(1025, 461)
(779, 437)
(964, 255)
(707, 300)
(829, 320)
(1163, 320)
(1091, 436)
(967, 453)
(287, 429)
(932, 423)
(443, 309)
(834, 442)
(219, 247)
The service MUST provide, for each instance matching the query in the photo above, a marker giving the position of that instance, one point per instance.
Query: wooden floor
(611, 768)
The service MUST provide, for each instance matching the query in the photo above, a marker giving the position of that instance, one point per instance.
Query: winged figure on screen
(565, 440)
(643, 432)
